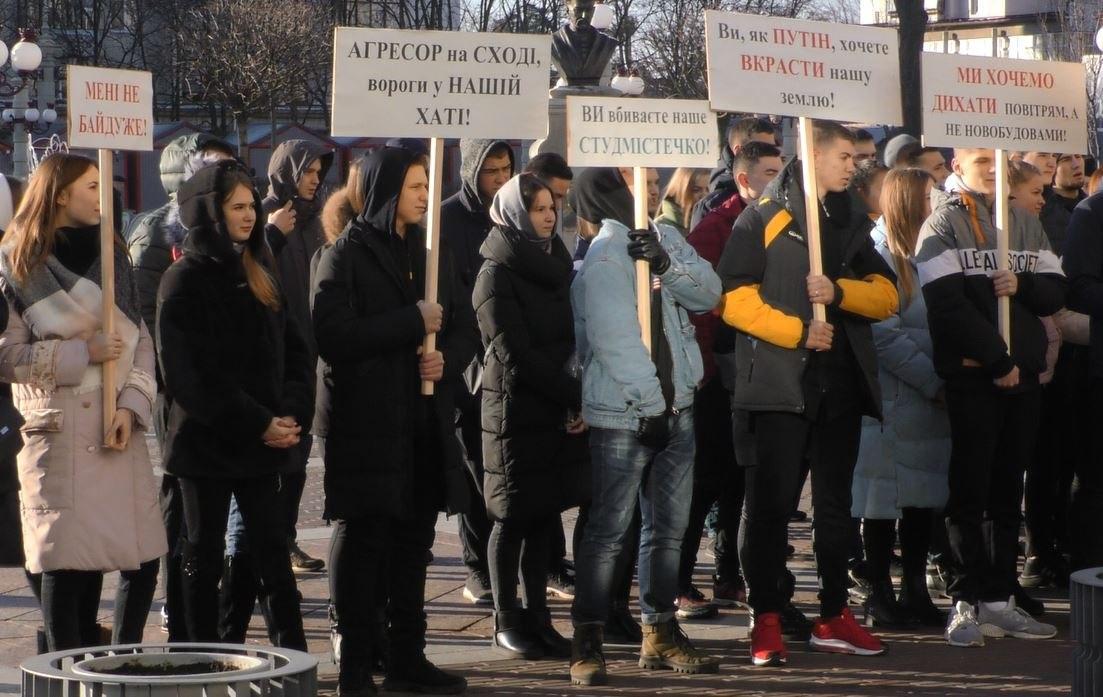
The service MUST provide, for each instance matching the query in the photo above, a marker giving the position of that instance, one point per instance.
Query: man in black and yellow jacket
(802, 385)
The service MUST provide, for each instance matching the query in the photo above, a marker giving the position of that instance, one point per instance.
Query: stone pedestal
(556, 140)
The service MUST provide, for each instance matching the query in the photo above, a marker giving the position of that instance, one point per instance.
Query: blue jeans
(624, 470)
(235, 532)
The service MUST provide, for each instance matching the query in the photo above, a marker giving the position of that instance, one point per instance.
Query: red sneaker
(767, 646)
(843, 634)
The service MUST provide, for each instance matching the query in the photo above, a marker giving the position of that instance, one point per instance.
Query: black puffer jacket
(523, 303)
(230, 364)
(383, 438)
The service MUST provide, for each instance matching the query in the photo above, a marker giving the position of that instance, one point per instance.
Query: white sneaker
(1004, 619)
(962, 629)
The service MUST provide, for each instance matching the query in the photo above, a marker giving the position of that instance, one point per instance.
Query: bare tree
(838, 11)
(250, 56)
(1069, 35)
(670, 46)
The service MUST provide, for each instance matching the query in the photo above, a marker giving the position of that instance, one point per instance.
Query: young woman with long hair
(686, 187)
(89, 500)
(903, 464)
(237, 371)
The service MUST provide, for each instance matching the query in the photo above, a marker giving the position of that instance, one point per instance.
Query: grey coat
(904, 462)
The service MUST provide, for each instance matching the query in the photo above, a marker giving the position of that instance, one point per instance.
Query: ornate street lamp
(26, 57)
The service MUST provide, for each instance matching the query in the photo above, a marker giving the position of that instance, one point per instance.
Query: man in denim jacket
(639, 406)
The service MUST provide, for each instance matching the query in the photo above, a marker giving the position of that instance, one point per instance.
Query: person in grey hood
(485, 166)
(296, 173)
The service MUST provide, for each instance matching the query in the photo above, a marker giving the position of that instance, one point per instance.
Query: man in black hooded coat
(296, 173)
(392, 460)
(485, 165)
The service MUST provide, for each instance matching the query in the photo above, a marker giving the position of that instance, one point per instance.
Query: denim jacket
(619, 382)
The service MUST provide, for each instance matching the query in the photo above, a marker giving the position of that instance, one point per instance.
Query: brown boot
(587, 661)
(665, 645)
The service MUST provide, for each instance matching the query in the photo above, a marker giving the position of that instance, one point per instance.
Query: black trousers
(557, 546)
(1087, 493)
(1066, 417)
(292, 485)
(520, 545)
(71, 600)
(993, 435)
(172, 512)
(377, 571)
(782, 441)
(879, 538)
(716, 479)
(206, 505)
(474, 526)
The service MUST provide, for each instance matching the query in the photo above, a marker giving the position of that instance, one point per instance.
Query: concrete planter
(1086, 597)
(205, 670)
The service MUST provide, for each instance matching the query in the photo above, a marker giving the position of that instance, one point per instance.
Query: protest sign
(793, 67)
(439, 84)
(109, 110)
(614, 131)
(813, 70)
(1004, 104)
(640, 133)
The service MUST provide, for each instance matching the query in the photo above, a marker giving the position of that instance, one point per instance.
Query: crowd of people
(249, 330)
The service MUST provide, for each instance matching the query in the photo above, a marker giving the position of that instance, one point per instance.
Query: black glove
(653, 432)
(644, 245)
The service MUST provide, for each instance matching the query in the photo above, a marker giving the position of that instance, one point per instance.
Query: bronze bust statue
(581, 52)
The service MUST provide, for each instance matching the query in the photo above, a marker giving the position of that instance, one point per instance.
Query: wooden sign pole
(811, 208)
(107, 277)
(432, 243)
(643, 269)
(1003, 231)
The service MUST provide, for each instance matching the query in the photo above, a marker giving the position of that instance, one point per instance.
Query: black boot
(354, 679)
(406, 673)
(882, 610)
(554, 644)
(236, 598)
(915, 600)
(513, 636)
(621, 628)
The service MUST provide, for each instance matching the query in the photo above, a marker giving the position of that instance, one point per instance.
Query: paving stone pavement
(917, 663)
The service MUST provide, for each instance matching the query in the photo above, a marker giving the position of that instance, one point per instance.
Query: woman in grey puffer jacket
(903, 463)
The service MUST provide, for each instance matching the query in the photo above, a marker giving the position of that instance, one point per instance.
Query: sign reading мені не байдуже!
(979, 102)
(440, 84)
(793, 67)
(109, 109)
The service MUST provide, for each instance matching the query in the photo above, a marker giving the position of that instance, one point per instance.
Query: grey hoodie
(463, 216)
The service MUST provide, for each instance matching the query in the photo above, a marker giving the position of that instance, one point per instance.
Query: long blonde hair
(679, 191)
(904, 194)
(33, 230)
(260, 279)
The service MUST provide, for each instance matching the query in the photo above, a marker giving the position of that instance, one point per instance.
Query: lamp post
(25, 56)
(628, 82)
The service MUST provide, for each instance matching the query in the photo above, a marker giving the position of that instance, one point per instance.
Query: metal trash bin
(1086, 598)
